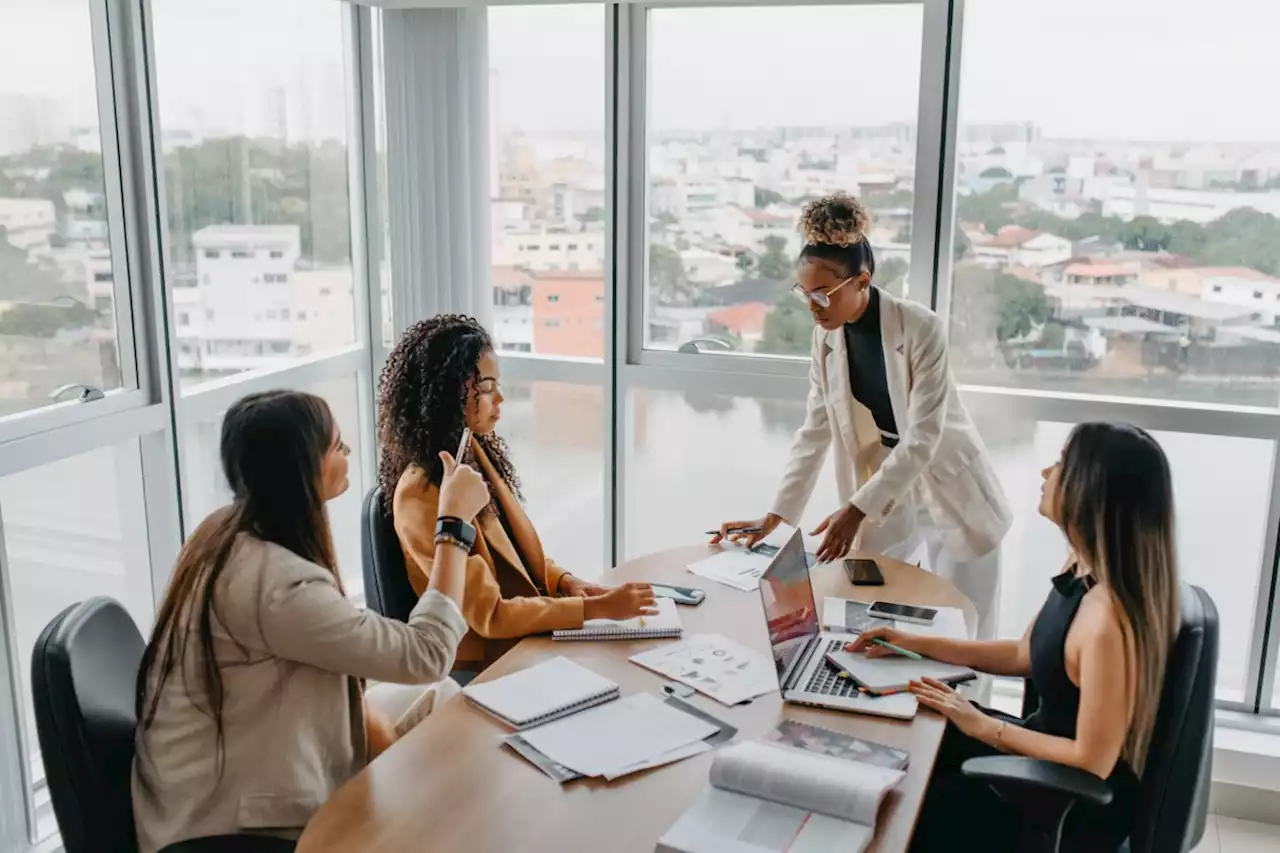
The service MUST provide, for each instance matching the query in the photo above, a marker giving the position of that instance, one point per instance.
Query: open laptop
(800, 645)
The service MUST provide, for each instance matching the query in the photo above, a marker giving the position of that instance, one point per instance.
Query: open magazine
(774, 798)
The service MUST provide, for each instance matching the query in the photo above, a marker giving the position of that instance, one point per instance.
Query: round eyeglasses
(821, 298)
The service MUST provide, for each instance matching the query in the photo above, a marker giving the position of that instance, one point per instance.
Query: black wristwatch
(455, 531)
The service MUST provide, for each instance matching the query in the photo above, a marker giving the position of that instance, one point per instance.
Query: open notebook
(548, 691)
(666, 623)
(775, 798)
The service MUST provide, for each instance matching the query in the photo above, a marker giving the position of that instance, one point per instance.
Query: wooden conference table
(450, 786)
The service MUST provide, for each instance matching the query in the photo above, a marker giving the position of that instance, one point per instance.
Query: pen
(733, 530)
(899, 649)
(463, 444)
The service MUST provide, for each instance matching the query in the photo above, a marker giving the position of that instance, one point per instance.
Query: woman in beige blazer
(251, 708)
(442, 378)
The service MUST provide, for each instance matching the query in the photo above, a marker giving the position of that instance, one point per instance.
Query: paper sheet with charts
(775, 798)
(717, 666)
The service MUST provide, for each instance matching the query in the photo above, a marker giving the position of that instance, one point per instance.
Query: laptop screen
(789, 609)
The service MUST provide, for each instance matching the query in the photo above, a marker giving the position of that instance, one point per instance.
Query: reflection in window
(57, 288)
(1134, 223)
(255, 159)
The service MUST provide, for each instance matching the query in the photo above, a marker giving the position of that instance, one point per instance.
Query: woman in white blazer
(251, 705)
(911, 470)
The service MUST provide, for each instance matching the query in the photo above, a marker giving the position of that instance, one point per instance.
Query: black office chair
(84, 672)
(386, 580)
(1173, 800)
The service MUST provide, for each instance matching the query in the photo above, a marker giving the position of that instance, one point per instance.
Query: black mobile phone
(902, 612)
(679, 594)
(862, 572)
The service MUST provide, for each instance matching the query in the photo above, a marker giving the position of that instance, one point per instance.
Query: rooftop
(1010, 236)
(1085, 270)
(747, 318)
(256, 235)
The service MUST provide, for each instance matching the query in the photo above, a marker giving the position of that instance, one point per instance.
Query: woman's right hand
(762, 527)
(874, 650)
(622, 602)
(463, 492)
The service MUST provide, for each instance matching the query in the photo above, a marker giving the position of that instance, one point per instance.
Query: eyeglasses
(821, 298)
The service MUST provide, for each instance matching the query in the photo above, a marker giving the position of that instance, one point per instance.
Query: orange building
(568, 313)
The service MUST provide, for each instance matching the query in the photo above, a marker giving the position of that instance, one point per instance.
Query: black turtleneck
(867, 378)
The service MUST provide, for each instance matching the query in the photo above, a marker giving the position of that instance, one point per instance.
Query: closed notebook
(894, 672)
(666, 623)
(548, 691)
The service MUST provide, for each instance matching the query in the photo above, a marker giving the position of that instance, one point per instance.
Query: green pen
(899, 649)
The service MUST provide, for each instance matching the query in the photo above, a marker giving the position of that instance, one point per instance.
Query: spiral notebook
(548, 691)
(666, 623)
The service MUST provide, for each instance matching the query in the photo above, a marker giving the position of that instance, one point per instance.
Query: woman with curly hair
(911, 469)
(443, 378)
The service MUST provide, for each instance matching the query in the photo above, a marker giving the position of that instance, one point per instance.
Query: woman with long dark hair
(1096, 653)
(251, 709)
(441, 379)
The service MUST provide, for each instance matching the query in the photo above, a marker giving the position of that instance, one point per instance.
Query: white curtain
(436, 67)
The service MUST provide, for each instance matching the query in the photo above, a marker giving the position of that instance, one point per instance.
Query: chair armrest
(1020, 771)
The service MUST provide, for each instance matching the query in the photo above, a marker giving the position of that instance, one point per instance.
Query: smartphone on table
(902, 612)
(863, 572)
(679, 594)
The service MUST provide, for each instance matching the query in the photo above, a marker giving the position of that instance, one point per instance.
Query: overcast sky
(1127, 69)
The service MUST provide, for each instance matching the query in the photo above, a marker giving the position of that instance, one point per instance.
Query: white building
(705, 267)
(550, 249)
(28, 222)
(1016, 246)
(1260, 296)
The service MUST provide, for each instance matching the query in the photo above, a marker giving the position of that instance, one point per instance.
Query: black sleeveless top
(1060, 698)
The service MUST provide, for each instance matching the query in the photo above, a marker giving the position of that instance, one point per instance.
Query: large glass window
(57, 282)
(546, 161)
(1117, 194)
(753, 111)
(1222, 520)
(255, 174)
(63, 545)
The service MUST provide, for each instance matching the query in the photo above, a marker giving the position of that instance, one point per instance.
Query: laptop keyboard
(826, 680)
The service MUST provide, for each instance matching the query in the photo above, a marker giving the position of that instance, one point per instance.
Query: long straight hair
(273, 446)
(1117, 512)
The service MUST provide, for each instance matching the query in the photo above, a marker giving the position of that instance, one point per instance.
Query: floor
(1229, 835)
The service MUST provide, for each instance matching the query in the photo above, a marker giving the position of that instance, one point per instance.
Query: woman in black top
(1096, 652)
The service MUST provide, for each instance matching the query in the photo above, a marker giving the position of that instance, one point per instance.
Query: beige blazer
(939, 462)
(511, 583)
(290, 648)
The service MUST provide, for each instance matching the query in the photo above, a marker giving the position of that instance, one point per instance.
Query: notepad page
(539, 690)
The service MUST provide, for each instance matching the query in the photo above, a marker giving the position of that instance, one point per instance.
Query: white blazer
(939, 463)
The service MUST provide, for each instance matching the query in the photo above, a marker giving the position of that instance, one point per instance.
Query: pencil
(899, 649)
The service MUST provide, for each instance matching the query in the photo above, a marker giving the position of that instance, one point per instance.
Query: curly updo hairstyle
(422, 401)
(835, 229)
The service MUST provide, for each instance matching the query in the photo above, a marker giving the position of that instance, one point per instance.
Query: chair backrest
(386, 580)
(84, 674)
(1174, 798)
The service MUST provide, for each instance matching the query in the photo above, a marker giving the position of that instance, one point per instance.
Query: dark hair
(273, 447)
(835, 228)
(422, 400)
(1116, 509)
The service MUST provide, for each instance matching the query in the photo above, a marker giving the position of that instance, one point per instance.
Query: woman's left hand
(572, 587)
(943, 698)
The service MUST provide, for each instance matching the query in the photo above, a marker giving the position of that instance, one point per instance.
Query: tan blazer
(290, 647)
(511, 583)
(939, 462)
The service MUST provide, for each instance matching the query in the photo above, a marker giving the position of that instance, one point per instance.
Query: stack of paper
(620, 737)
(735, 567)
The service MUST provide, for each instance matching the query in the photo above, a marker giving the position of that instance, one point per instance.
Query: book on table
(665, 623)
(776, 798)
(544, 692)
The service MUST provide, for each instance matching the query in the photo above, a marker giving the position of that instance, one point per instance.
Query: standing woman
(251, 708)
(910, 468)
(1096, 653)
(442, 378)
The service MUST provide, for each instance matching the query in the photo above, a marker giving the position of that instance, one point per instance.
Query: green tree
(33, 320)
(668, 281)
(990, 307)
(996, 172)
(745, 263)
(764, 197)
(1145, 234)
(788, 328)
(774, 264)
